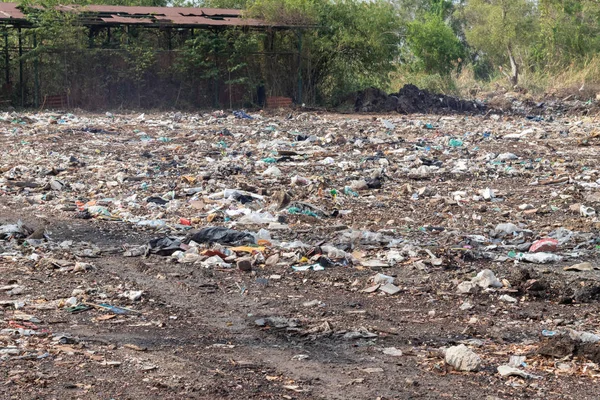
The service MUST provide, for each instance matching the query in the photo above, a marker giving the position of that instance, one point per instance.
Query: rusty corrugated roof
(145, 16)
(126, 20)
(9, 11)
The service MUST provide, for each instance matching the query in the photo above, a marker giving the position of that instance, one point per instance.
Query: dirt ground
(196, 333)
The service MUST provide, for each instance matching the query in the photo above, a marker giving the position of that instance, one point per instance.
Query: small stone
(311, 303)
(466, 287)
(82, 267)
(372, 370)
(425, 191)
(592, 197)
(392, 351)
(575, 207)
(508, 299)
(359, 185)
(244, 264)
(466, 306)
(411, 382)
(280, 199)
(462, 358)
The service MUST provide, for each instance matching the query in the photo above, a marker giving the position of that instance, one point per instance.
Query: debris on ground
(409, 100)
(301, 250)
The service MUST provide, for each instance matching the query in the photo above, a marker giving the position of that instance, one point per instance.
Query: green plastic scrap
(455, 143)
(348, 191)
(77, 309)
(117, 310)
(296, 210)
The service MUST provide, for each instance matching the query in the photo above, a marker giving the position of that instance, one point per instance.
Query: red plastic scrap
(544, 245)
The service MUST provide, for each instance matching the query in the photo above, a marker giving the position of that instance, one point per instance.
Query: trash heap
(410, 99)
(485, 214)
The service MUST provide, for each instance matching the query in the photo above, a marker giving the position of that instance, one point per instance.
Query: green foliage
(569, 30)
(140, 58)
(287, 12)
(200, 54)
(213, 55)
(55, 30)
(435, 83)
(496, 27)
(208, 50)
(435, 45)
(328, 47)
(352, 44)
(356, 46)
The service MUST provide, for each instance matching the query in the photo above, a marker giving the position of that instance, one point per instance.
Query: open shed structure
(140, 57)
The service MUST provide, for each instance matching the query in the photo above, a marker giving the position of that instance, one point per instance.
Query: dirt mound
(409, 100)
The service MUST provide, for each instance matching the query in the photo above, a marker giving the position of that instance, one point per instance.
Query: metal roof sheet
(149, 16)
(10, 11)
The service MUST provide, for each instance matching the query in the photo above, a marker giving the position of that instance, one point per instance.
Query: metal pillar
(6, 59)
(299, 67)
(36, 78)
(91, 38)
(21, 80)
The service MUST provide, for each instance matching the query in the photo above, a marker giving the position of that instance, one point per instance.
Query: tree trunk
(514, 68)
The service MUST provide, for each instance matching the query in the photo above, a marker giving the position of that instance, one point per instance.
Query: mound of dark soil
(409, 100)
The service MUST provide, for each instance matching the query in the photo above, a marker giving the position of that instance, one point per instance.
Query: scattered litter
(462, 358)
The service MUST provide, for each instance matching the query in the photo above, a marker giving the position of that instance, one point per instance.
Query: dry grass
(579, 80)
(432, 82)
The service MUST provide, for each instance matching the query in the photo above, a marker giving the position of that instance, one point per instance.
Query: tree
(352, 44)
(501, 29)
(434, 43)
(569, 30)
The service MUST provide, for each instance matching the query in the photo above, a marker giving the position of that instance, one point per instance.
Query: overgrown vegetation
(328, 49)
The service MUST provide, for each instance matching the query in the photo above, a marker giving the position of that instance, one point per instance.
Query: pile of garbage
(478, 215)
(410, 99)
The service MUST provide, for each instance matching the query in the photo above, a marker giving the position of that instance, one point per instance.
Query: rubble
(410, 99)
(462, 358)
